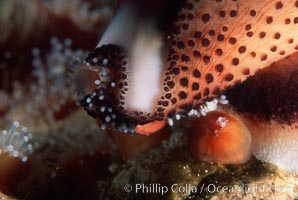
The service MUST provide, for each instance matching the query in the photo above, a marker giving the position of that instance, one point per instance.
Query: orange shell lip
(150, 127)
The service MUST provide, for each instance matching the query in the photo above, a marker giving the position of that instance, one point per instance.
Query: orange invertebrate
(220, 137)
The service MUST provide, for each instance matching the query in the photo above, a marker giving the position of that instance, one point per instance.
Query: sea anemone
(220, 137)
(15, 148)
(16, 142)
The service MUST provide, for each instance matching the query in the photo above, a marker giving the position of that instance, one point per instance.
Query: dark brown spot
(205, 17)
(235, 61)
(269, 20)
(241, 49)
(184, 82)
(168, 95)
(290, 41)
(197, 96)
(282, 53)
(173, 64)
(185, 26)
(190, 6)
(181, 45)
(171, 84)
(296, 3)
(165, 103)
(184, 68)
(277, 35)
(273, 48)
(249, 34)
(247, 27)
(182, 95)
(296, 20)
(222, 13)
(224, 29)
(190, 16)
(191, 43)
(211, 32)
(182, 17)
(160, 109)
(206, 59)
(176, 71)
(196, 73)
(246, 71)
(253, 54)
(175, 57)
(205, 42)
(279, 5)
(206, 91)
(253, 13)
(197, 34)
(264, 57)
(209, 78)
(233, 13)
(220, 37)
(197, 54)
(219, 67)
(218, 52)
(124, 76)
(174, 100)
(229, 77)
(262, 34)
(287, 21)
(185, 58)
(232, 40)
(195, 86)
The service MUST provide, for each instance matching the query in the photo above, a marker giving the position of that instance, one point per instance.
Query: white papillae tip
(105, 61)
(104, 73)
(88, 100)
(97, 82)
(170, 121)
(95, 60)
(68, 42)
(24, 158)
(102, 109)
(103, 126)
(35, 51)
(223, 97)
(24, 129)
(16, 124)
(107, 118)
